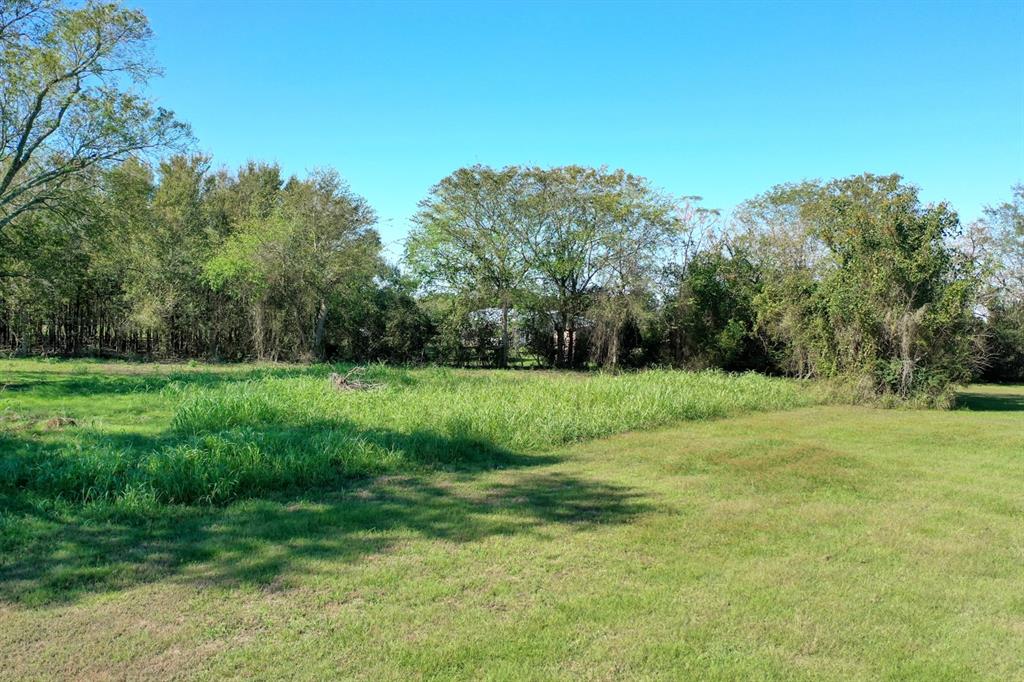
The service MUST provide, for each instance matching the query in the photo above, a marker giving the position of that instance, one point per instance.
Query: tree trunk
(613, 348)
(503, 357)
(559, 334)
(570, 347)
(23, 345)
(318, 336)
(257, 335)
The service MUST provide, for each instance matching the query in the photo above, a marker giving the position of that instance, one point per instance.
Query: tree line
(108, 248)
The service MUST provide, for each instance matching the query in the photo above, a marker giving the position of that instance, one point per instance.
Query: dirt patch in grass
(60, 422)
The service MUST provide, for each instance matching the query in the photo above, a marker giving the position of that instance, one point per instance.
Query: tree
(861, 281)
(168, 240)
(996, 242)
(708, 314)
(381, 321)
(69, 100)
(467, 239)
(593, 233)
(293, 257)
(333, 245)
(563, 243)
(1006, 222)
(773, 234)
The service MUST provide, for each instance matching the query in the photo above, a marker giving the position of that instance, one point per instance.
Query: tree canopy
(70, 100)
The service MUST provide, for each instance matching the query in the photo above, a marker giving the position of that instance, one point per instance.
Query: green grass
(250, 431)
(817, 542)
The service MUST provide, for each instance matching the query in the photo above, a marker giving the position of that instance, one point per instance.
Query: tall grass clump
(518, 412)
(230, 439)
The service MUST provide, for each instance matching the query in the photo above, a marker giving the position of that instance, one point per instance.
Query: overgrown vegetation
(998, 243)
(860, 281)
(681, 482)
(108, 249)
(244, 432)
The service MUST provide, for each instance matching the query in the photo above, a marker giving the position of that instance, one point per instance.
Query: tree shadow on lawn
(67, 551)
(78, 384)
(991, 402)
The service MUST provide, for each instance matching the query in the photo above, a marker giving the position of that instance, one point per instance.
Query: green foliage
(997, 243)
(573, 248)
(1005, 357)
(852, 279)
(381, 321)
(709, 317)
(596, 238)
(861, 281)
(185, 262)
(69, 101)
(468, 240)
(293, 262)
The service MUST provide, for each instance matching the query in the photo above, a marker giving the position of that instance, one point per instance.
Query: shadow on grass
(293, 504)
(270, 541)
(54, 551)
(51, 384)
(991, 402)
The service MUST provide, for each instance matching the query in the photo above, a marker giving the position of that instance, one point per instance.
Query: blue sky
(722, 100)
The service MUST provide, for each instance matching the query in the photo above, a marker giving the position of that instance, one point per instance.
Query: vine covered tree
(861, 281)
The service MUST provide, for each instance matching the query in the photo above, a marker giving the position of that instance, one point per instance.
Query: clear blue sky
(721, 99)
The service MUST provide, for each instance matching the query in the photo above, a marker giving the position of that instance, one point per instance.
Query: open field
(466, 524)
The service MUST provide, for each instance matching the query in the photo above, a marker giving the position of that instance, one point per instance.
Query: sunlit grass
(523, 412)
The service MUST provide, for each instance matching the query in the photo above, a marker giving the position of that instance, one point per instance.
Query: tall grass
(522, 412)
(241, 438)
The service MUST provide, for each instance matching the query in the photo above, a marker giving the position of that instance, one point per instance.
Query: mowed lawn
(815, 541)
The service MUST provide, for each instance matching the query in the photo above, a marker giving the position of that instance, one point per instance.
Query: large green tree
(468, 240)
(574, 247)
(70, 100)
(593, 240)
(708, 317)
(861, 281)
(295, 259)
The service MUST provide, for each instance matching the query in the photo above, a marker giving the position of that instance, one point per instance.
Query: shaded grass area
(991, 398)
(74, 552)
(823, 542)
(105, 461)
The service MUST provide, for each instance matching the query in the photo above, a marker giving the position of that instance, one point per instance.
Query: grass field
(471, 525)
(138, 435)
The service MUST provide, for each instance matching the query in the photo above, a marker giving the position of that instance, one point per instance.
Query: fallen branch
(348, 382)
